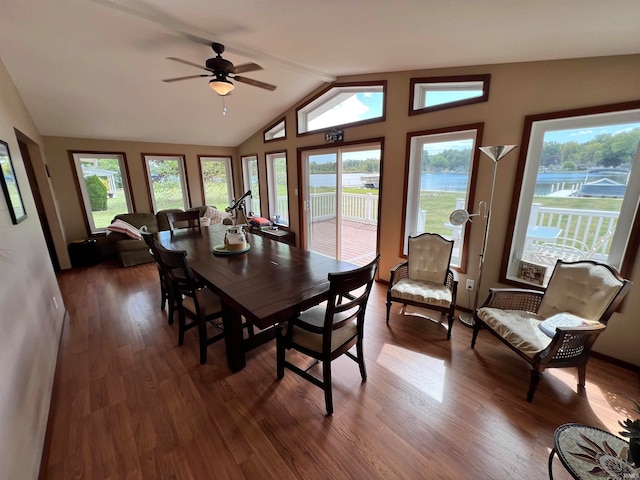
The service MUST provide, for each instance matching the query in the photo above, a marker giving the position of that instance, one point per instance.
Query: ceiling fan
(222, 72)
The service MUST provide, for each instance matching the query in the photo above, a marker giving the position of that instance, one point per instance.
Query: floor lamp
(460, 217)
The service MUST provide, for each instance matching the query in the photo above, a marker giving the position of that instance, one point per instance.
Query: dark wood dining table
(268, 284)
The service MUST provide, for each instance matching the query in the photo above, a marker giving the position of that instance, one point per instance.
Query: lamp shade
(497, 152)
(221, 87)
(459, 217)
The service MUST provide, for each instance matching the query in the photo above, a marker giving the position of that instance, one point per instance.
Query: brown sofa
(131, 251)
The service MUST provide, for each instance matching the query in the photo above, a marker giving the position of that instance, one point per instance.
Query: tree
(97, 193)
(569, 165)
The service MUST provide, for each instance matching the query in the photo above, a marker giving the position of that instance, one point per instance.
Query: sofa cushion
(140, 219)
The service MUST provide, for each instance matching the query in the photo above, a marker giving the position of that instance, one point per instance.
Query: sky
(587, 134)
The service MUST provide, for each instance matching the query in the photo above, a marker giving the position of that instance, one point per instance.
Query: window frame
(182, 169)
(272, 187)
(81, 189)
(228, 163)
(629, 255)
(471, 184)
(319, 99)
(275, 126)
(246, 181)
(414, 84)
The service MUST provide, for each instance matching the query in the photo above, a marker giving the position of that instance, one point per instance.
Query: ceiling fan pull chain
(224, 106)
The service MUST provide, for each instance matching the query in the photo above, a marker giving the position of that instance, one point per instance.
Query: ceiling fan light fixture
(221, 87)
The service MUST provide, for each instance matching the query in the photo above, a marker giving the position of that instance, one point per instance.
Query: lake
(457, 182)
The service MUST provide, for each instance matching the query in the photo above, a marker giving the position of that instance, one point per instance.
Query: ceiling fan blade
(246, 67)
(255, 83)
(186, 62)
(177, 79)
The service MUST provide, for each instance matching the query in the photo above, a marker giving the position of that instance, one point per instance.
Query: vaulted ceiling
(93, 68)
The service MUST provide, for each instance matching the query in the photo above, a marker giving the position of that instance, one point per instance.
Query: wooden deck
(359, 240)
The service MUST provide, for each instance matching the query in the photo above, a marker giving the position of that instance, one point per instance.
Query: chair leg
(202, 337)
(171, 313)
(163, 296)
(476, 329)
(363, 369)
(450, 319)
(582, 375)
(535, 379)
(280, 352)
(388, 310)
(328, 395)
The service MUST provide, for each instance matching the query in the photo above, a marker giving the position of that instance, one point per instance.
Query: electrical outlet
(470, 284)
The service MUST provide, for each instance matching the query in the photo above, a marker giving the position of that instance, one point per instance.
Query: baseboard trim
(46, 449)
(616, 362)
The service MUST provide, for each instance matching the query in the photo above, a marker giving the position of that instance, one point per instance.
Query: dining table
(268, 284)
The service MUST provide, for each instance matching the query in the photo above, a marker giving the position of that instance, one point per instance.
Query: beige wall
(517, 90)
(62, 175)
(30, 322)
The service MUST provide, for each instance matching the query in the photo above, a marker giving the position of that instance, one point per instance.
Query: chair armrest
(571, 342)
(452, 280)
(398, 272)
(514, 299)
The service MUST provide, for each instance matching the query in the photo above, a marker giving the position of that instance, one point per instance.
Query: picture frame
(10, 186)
(532, 272)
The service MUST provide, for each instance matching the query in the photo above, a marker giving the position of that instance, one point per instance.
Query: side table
(590, 453)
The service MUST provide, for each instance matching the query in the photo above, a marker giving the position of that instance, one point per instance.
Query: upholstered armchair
(557, 327)
(425, 279)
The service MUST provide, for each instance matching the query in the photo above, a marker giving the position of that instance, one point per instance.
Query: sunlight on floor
(425, 373)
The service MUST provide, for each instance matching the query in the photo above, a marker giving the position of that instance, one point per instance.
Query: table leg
(553, 452)
(233, 338)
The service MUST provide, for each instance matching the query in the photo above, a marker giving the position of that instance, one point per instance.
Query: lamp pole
(495, 154)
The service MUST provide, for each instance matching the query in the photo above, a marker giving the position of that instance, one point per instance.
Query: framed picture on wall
(10, 186)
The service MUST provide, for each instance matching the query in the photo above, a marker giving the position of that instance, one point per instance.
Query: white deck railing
(355, 206)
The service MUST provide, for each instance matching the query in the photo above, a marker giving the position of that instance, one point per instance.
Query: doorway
(340, 191)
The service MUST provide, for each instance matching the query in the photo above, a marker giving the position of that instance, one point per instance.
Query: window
(278, 192)
(217, 181)
(441, 171)
(438, 93)
(251, 182)
(167, 182)
(104, 187)
(343, 104)
(277, 131)
(580, 176)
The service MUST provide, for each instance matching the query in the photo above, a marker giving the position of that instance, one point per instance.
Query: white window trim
(229, 179)
(246, 181)
(273, 187)
(414, 177)
(77, 156)
(181, 170)
(628, 212)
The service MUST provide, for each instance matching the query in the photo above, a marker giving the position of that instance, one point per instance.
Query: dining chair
(425, 280)
(167, 295)
(184, 220)
(328, 330)
(557, 327)
(193, 299)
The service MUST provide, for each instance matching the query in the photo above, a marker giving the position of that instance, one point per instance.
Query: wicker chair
(557, 327)
(425, 279)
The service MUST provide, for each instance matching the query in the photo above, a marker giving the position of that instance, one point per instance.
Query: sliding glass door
(340, 208)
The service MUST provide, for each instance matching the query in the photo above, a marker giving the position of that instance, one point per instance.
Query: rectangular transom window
(438, 93)
(277, 131)
(104, 187)
(440, 174)
(167, 182)
(342, 105)
(580, 191)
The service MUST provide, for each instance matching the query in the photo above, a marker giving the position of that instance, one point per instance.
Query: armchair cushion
(315, 317)
(429, 262)
(518, 328)
(423, 292)
(584, 291)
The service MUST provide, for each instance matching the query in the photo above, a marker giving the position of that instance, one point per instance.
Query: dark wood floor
(129, 403)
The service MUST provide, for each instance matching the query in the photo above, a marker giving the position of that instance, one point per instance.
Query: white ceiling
(93, 68)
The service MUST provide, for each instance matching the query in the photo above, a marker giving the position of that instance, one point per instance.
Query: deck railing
(588, 227)
(355, 206)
